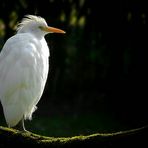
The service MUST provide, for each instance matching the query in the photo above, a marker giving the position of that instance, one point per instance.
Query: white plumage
(24, 69)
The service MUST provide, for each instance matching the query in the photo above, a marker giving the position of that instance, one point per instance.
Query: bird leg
(20, 126)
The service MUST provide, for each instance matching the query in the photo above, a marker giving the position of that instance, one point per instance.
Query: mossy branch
(136, 137)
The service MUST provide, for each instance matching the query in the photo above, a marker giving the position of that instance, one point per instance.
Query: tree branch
(136, 137)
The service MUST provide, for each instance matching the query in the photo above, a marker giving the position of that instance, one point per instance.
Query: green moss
(11, 137)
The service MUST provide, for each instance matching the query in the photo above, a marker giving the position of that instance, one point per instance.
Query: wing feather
(20, 78)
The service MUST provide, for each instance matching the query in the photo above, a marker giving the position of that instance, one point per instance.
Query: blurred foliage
(99, 65)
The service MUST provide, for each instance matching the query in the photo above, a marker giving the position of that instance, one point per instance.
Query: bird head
(36, 25)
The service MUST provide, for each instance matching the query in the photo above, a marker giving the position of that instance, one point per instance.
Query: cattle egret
(24, 69)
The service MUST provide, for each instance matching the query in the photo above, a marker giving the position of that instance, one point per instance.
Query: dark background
(98, 70)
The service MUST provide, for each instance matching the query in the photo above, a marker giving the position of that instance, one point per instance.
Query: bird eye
(41, 27)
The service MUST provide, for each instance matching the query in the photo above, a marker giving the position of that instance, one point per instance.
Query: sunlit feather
(24, 69)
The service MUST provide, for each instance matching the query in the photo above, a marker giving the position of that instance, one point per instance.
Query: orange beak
(53, 30)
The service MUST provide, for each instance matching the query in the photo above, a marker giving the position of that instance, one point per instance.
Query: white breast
(23, 74)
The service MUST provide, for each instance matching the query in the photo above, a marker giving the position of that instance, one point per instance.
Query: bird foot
(20, 126)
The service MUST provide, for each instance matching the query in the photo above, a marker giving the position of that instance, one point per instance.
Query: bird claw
(20, 126)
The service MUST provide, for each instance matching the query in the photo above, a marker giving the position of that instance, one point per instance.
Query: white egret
(24, 69)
